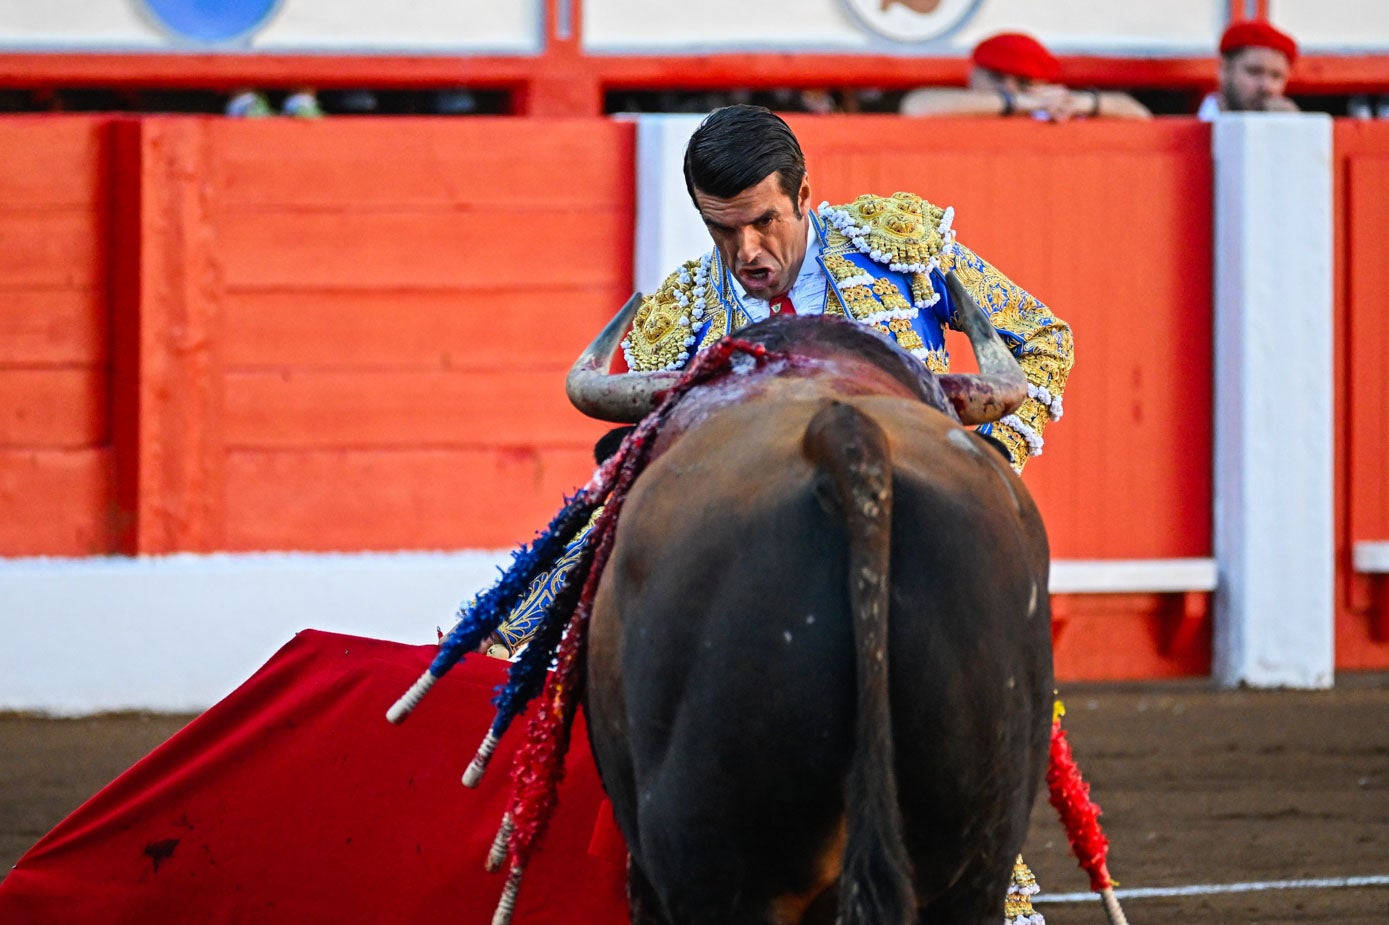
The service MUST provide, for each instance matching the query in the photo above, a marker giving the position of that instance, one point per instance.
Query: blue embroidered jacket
(885, 260)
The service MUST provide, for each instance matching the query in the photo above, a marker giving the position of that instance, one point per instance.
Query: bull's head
(998, 389)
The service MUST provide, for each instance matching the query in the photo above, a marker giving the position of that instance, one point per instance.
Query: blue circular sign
(211, 21)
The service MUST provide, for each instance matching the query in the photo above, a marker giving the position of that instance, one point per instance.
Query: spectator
(1013, 74)
(1255, 60)
(302, 104)
(253, 104)
(249, 104)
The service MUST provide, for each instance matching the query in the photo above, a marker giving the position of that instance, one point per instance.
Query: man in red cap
(1255, 59)
(1013, 74)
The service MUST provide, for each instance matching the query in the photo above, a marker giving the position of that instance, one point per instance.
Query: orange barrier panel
(328, 297)
(1362, 202)
(374, 322)
(56, 464)
(352, 334)
(1110, 225)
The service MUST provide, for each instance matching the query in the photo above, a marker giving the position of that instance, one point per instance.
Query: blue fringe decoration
(491, 607)
(529, 672)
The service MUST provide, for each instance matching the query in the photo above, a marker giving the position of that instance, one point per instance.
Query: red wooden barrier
(56, 465)
(1362, 201)
(1055, 209)
(1110, 225)
(352, 334)
(378, 325)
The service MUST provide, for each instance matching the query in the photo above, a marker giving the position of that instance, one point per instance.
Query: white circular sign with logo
(912, 20)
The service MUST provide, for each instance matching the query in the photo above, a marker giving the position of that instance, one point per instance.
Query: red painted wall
(1057, 212)
(1362, 227)
(383, 314)
(57, 473)
(353, 334)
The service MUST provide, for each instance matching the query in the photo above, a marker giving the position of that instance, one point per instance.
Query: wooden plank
(50, 161)
(53, 408)
(56, 248)
(499, 165)
(1122, 637)
(1055, 209)
(442, 330)
(415, 498)
(366, 408)
(1362, 182)
(56, 502)
(823, 138)
(1368, 340)
(178, 473)
(1321, 74)
(1136, 439)
(405, 250)
(50, 327)
(124, 255)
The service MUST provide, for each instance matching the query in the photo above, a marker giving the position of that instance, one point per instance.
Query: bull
(819, 678)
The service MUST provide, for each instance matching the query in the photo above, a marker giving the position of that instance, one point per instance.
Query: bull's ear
(609, 443)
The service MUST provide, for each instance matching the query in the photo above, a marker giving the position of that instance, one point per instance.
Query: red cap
(1017, 54)
(1255, 33)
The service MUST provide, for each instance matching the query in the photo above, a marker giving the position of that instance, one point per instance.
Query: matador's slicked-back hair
(737, 147)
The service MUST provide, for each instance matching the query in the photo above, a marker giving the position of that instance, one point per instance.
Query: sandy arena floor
(1198, 788)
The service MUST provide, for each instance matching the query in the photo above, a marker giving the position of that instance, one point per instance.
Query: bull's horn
(623, 397)
(1000, 387)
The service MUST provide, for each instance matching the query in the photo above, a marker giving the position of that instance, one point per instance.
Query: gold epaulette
(902, 231)
(663, 333)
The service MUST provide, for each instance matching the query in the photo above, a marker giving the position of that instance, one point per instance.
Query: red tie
(781, 305)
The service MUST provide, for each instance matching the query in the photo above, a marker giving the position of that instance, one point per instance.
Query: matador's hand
(494, 647)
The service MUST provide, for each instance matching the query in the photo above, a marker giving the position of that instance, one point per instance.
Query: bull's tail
(851, 451)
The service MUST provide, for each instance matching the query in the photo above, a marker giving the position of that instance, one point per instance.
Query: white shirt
(1210, 108)
(807, 292)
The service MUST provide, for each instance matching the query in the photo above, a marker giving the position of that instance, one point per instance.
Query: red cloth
(293, 800)
(1019, 55)
(782, 305)
(1255, 33)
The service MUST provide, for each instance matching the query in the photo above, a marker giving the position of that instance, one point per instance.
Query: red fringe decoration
(1070, 794)
(539, 765)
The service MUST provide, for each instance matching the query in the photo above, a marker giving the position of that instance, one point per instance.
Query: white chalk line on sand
(1207, 889)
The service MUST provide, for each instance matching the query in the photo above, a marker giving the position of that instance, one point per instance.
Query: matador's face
(760, 234)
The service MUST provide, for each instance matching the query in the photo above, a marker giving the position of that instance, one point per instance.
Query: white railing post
(1274, 615)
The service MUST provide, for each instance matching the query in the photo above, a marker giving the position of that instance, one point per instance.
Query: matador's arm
(1041, 342)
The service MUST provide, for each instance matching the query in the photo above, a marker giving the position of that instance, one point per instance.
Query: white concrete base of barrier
(178, 633)
(1370, 558)
(1132, 576)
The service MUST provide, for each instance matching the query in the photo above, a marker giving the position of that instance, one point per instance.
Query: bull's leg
(977, 899)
